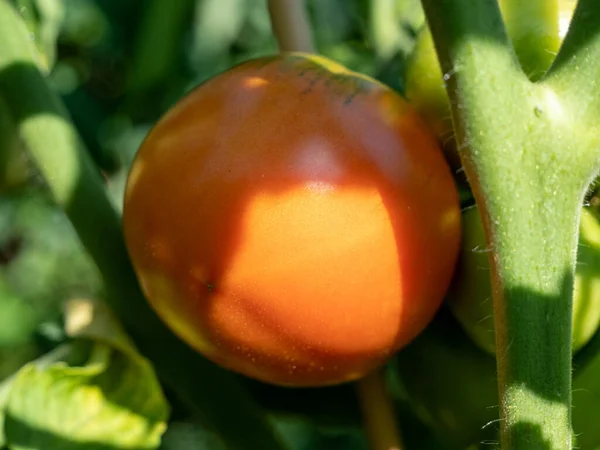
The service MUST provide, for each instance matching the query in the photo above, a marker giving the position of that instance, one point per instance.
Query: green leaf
(55, 355)
(103, 395)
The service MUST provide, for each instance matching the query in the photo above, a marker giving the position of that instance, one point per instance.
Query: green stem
(378, 412)
(576, 69)
(77, 187)
(528, 169)
(291, 27)
(580, 49)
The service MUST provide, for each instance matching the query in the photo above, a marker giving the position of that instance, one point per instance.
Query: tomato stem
(577, 66)
(378, 412)
(529, 157)
(77, 187)
(291, 26)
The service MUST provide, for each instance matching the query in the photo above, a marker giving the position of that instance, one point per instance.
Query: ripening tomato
(470, 295)
(293, 221)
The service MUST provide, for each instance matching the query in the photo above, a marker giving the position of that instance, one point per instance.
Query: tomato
(425, 82)
(293, 221)
(470, 297)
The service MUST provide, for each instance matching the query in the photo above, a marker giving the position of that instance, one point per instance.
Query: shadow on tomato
(293, 221)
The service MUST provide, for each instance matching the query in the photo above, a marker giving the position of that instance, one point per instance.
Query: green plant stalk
(156, 45)
(378, 412)
(528, 167)
(77, 187)
(289, 20)
(580, 50)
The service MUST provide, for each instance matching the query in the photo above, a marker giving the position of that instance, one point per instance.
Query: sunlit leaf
(101, 396)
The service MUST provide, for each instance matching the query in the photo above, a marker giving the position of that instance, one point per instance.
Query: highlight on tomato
(293, 221)
(470, 295)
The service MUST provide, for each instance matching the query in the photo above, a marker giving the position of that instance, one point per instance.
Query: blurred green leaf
(56, 355)
(51, 17)
(109, 399)
(84, 22)
(17, 318)
(217, 24)
(43, 262)
(158, 42)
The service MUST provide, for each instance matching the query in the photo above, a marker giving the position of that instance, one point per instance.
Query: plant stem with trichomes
(529, 151)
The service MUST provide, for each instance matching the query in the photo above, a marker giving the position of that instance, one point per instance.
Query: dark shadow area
(451, 383)
(335, 406)
(540, 309)
(455, 383)
(537, 440)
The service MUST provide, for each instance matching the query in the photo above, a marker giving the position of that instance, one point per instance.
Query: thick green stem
(77, 186)
(528, 170)
(575, 74)
(577, 65)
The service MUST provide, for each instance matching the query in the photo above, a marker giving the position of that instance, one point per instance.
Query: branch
(291, 25)
(77, 186)
(478, 63)
(513, 138)
(576, 68)
(378, 412)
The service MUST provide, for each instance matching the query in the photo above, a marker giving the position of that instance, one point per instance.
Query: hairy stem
(528, 165)
(576, 69)
(291, 26)
(578, 60)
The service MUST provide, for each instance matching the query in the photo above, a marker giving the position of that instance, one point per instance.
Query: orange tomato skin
(293, 221)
